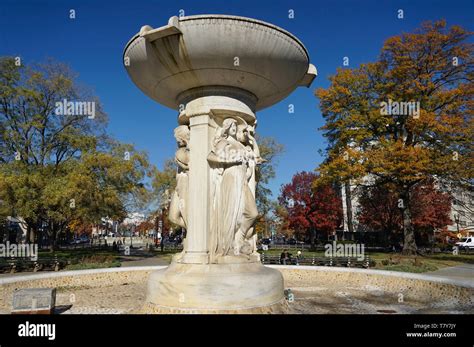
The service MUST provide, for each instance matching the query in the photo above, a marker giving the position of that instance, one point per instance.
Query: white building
(462, 211)
(134, 218)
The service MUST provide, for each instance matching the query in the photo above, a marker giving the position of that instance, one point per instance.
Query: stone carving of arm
(222, 157)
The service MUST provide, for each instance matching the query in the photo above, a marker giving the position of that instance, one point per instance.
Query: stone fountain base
(215, 288)
(278, 308)
(316, 289)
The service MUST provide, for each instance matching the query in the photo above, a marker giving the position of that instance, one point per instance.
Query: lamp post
(134, 226)
(401, 207)
(456, 220)
(157, 229)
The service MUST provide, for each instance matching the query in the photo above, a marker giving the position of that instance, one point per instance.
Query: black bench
(318, 261)
(13, 265)
(53, 264)
(7, 265)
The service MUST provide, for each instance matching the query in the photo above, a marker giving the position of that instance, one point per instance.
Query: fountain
(217, 71)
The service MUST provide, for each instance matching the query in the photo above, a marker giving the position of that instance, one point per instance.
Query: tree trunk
(350, 223)
(28, 233)
(409, 244)
(32, 235)
(52, 239)
(312, 238)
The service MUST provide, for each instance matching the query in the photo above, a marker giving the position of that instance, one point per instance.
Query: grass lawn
(398, 262)
(92, 265)
(165, 255)
(85, 258)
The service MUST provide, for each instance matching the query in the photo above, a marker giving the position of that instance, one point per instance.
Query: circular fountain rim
(381, 283)
(385, 273)
(246, 19)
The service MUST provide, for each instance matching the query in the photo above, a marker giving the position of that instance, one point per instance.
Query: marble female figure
(234, 207)
(178, 205)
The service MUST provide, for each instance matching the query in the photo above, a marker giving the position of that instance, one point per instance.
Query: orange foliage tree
(428, 75)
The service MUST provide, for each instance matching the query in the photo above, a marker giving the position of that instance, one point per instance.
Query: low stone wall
(419, 287)
(74, 279)
(91, 277)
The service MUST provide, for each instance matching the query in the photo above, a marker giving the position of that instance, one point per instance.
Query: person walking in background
(288, 258)
(284, 257)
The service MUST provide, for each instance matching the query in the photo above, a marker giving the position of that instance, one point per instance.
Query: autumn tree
(428, 76)
(270, 150)
(145, 226)
(281, 221)
(310, 209)
(379, 209)
(164, 181)
(60, 168)
(430, 207)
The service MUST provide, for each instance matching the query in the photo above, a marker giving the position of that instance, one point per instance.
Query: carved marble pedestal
(199, 280)
(219, 288)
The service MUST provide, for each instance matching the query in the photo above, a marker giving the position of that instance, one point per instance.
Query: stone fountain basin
(217, 50)
(316, 290)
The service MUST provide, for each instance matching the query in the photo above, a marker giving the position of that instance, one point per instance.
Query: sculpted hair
(226, 126)
(182, 133)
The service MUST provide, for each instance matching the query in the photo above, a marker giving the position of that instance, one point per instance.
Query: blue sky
(92, 44)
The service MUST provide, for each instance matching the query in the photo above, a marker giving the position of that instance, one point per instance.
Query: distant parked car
(266, 241)
(466, 243)
(80, 240)
(291, 241)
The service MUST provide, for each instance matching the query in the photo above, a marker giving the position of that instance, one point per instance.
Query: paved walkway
(463, 272)
(150, 261)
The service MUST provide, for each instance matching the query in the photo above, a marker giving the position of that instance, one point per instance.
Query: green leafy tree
(58, 168)
(270, 149)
